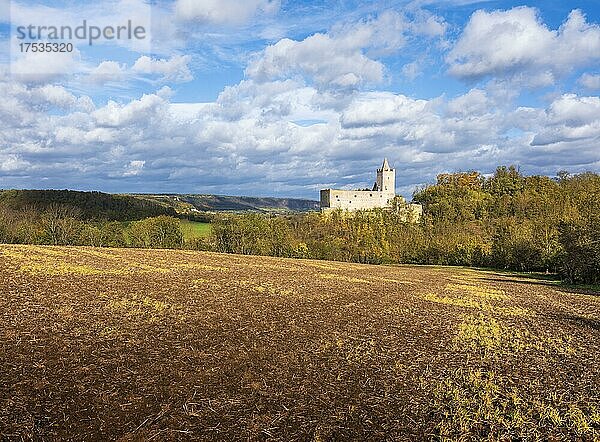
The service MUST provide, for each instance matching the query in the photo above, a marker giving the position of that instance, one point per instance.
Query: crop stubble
(178, 345)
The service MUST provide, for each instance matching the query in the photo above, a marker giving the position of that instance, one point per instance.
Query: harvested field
(100, 344)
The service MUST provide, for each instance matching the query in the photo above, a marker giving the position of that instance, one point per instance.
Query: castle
(383, 195)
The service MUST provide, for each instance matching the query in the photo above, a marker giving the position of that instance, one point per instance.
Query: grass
(126, 344)
(483, 402)
(192, 230)
(495, 336)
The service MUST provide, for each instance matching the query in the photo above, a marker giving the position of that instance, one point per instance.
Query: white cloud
(346, 57)
(428, 24)
(329, 62)
(107, 72)
(571, 118)
(12, 163)
(590, 81)
(516, 44)
(573, 110)
(474, 102)
(381, 109)
(44, 67)
(422, 126)
(146, 111)
(272, 102)
(224, 11)
(27, 106)
(134, 168)
(250, 129)
(385, 33)
(175, 69)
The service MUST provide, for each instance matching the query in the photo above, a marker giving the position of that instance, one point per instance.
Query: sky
(284, 98)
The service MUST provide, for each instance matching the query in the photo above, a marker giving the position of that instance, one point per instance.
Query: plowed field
(100, 344)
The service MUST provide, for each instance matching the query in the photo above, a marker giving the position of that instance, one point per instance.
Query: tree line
(503, 221)
(64, 226)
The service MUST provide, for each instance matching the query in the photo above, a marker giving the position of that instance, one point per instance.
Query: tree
(112, 234)
(61, 224)
(581, 257)
(162, 232)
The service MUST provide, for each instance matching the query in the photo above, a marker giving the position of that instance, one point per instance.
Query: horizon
(280, 99)
(408, 199)
(158, 193)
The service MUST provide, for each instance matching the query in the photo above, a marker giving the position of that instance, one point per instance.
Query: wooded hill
(89, 205)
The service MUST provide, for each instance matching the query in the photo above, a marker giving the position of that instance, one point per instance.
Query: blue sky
(278, 98)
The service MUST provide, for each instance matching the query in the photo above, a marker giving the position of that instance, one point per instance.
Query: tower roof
(386, 165)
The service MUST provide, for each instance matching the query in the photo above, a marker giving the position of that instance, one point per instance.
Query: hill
(90, 205)
(219, 203)
(113, 344)
(129, 207)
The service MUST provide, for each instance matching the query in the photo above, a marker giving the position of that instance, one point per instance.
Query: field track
(111, 344)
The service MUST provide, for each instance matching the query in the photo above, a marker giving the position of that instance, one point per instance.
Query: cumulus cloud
(107, 72)
(250, 129)
(12, 163)
(175, 69)
(275, 101)
(44, 67)
(385, 33)
(147, 110)
(328, 61)
(345, 57)
(381, 109)
(26, 106)
(571, 118)
(421, 126)
(224, 11)
(516, 43)
(474, 102)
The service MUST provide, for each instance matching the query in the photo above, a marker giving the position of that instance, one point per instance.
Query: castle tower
(386, 179)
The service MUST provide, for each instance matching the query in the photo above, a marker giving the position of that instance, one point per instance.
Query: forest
(504, 221)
